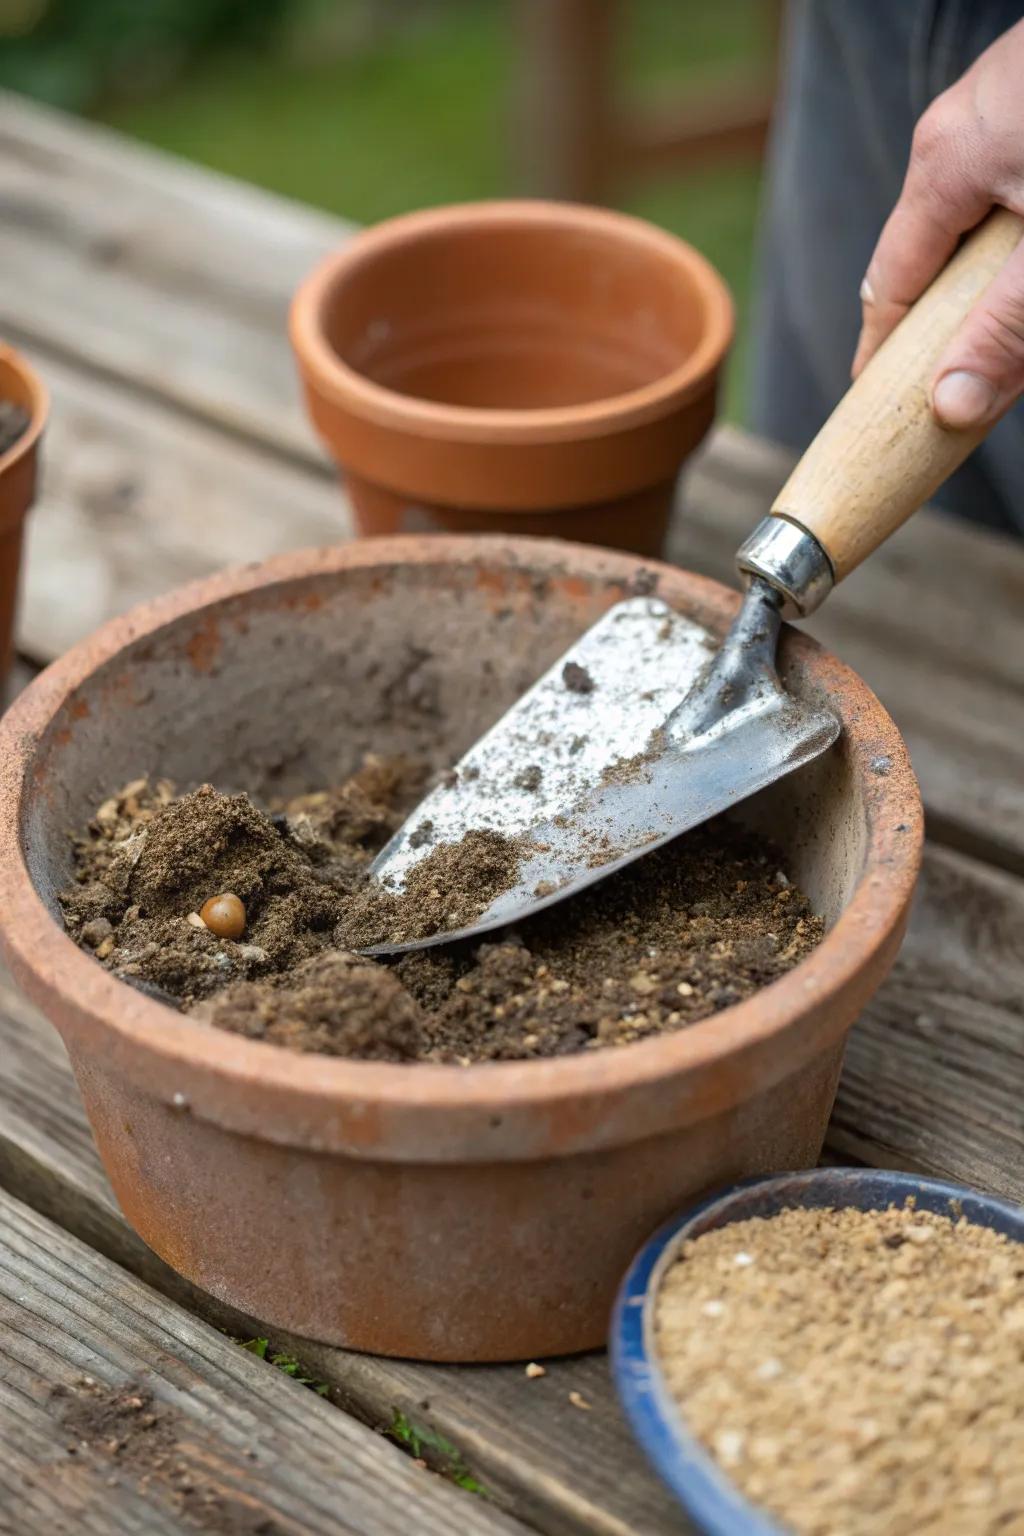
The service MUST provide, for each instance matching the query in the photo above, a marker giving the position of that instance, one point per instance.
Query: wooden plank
(934, 1072)
(136, 498)
(934, 1080)
(219, 1441)
(172, 278)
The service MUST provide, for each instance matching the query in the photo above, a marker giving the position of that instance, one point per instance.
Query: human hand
(967, 154)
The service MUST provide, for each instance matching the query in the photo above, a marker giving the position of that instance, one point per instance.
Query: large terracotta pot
(477, 1213)
(17, 487)
(517, 367)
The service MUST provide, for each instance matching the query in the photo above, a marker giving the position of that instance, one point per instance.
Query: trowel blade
(609, 781)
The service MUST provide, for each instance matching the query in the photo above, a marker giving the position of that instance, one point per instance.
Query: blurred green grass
(421, 114)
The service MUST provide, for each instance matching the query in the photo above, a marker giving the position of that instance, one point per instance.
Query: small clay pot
(20, 384)
(447, 1213)
(514, 367)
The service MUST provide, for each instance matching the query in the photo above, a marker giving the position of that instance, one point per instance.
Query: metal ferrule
(790, 560)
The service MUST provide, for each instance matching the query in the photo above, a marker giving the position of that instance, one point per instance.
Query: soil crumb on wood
(855, 1371)
(686, 931)
(146, 1444)
(14, 421)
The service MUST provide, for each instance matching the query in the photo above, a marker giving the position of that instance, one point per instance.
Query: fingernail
(963, 399)
(867, 293)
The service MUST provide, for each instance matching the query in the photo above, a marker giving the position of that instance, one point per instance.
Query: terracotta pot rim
(40, 410)
(337, 381)
(303, 1098)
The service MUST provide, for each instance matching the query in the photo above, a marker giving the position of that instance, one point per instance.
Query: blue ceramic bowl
(715, 1506)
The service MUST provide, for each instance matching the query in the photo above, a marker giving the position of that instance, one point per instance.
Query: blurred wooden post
(575, 139)
(565, 106)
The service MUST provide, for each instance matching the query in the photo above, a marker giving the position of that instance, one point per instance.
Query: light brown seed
(224, 915)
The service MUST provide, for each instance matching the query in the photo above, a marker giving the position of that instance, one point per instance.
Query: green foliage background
(370, 107)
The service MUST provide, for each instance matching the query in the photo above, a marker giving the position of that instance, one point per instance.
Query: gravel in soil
(14, 423)
(855, 1372)
(684, 932)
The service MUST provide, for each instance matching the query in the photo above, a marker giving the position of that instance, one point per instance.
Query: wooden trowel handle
(881, 453)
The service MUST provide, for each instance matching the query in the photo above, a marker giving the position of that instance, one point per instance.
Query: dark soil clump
(14, 421)
(336, 1004)
(682, 933)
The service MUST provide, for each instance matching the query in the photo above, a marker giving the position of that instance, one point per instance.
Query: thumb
(981, 372)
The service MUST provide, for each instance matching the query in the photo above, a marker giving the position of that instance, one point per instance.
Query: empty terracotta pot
(447, 1213)
(19, 384)
(520, 367)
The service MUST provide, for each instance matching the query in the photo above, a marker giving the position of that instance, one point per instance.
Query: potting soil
(855, 1371)
(684, 932)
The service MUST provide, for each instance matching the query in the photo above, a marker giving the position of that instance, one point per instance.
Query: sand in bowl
(684, 932)
(855, 1373)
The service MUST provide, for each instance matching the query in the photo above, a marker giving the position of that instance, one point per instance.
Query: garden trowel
(648, 725)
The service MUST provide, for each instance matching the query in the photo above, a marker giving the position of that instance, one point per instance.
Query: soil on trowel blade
(685, 931)
(447, 889)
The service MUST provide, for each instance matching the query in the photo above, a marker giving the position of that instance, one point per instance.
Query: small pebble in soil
(224, 915)
(855, 1371)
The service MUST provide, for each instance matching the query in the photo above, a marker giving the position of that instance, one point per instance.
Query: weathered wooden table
(152, 297)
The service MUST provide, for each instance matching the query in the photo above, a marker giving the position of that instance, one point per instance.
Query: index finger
(920, 235)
